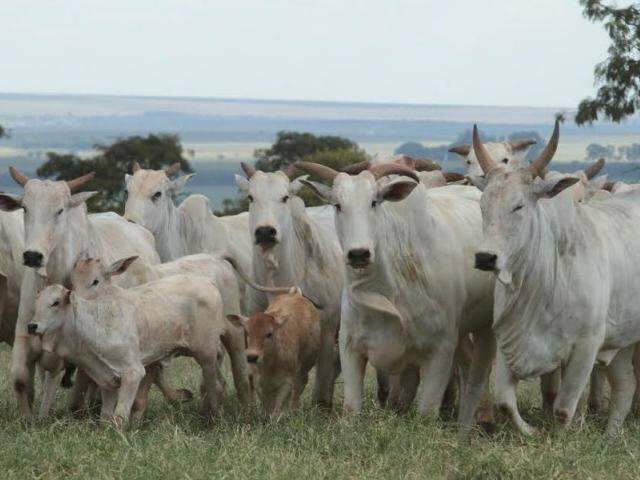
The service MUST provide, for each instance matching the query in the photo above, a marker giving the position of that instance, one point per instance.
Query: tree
(619, 76)
(596, 151)
(630, 152)
(112, 162)
(3, 132)
(291, 147)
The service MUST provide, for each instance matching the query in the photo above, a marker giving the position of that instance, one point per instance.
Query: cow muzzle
(32, 328)
(359, 257)
(266, 236)
(486, 261)
(253, 358)
(32, 259)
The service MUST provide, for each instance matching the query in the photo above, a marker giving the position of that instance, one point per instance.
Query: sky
(467, 52)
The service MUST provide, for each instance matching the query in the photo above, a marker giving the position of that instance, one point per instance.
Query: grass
(174, 443)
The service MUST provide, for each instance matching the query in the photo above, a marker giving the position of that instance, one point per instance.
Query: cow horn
(356, 168)
(321, 171)
(518, 145)
(461, 149)
(384, 169)
(593, 170)
(426, 165)
(289, 171)
(248, 170)
(453, 177)
(484, 159)
(135, 167)
(538, 166)
(608, 186)
(172, 169)
(19, 177)
(76, 183)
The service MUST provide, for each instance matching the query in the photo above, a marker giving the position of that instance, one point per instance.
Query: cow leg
(109, 400)
(636, 370)
(549, 383)
(435, 372)
(142, 396)
(505, 390)
(483, 352)
(129, 385)
(50, 386)
(403, 389)
(623, 385)
(172, 395)
(384, 387)
(209, 366)
(574, 380)
(353, 369)
(234, 342)
(79, 393)
(597, 388)
(325, 367)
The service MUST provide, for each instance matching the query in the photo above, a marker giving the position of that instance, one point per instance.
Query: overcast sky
(485, 52)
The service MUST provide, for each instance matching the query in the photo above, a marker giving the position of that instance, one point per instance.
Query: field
(173, 443)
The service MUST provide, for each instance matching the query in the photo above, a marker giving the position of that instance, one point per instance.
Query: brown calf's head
(260, 329)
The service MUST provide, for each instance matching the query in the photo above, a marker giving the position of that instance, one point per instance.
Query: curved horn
(484, 159)
(384, 169)
(172, 169)
(135, 167)
(321, 171)
(19, 177)
(463, 150)
(453, 177)
(608, 186)
(593, 170)
(518, 145)
(426, 165)
(538, 166)
(76, 183)
(289, 171)
(356, 168)
(248, 170)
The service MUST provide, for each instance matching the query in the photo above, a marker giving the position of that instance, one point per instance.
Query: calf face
(508, 154)
(53, 308)
(90, 276)
(260, 329)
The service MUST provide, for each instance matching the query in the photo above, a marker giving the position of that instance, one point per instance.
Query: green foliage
(619, 76)
(112, 162)
(3, 132)
(291, 147)
(596, 151)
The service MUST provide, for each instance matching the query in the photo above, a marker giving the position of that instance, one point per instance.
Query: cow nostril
(32, 328)
(265, 234)
(252, 358)
(32, 259)
(486, 261)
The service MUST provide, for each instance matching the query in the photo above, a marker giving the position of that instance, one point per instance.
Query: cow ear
(479, 181)
(120, 266)
(551, 188)
(396, 190)
(297, 184)
(242, 183)
(9, 203)
(322, 191)
(237, 320)
(179, 183)
(78, 199)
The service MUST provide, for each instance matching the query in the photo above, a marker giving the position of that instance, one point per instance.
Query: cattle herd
(436, 280)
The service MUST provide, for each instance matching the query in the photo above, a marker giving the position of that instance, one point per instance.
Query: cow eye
(285, 198)
(269, 335)
(25, 209)
(55, 304)
(157, 195)
(250, 198)
(59, 212)
(374, 204)
(518, 207)
(338, 207)
(505, 160)
(468, 162)
(95, 282)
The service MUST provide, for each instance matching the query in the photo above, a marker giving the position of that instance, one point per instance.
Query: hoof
(487, 427)
(562, 416)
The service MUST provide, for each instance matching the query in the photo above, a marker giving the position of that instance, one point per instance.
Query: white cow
(291, 248)
(189, 228)
(511, 154)
(565, 274)
(57, 231)
(11, 270)
(411, 290)
(116, 335)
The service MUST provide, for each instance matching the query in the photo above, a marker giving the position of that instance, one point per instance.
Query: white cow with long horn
(411, 290)
(57, 231)
(565, 270)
